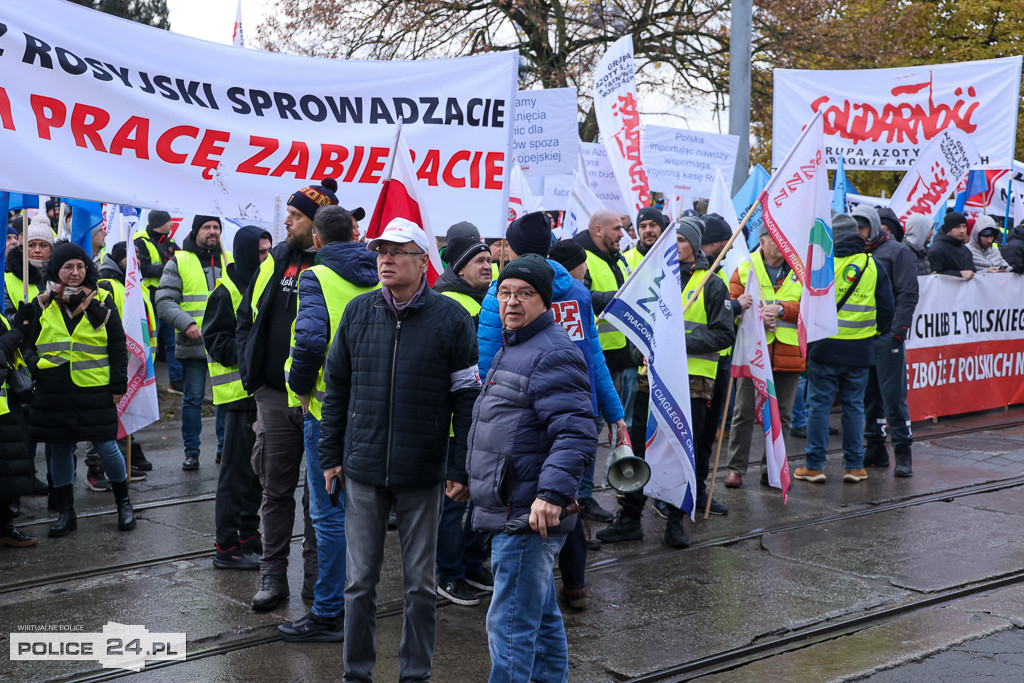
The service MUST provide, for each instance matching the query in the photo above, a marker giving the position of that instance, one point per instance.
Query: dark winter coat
(949, 256)
(219, 324)
(17, 473)
(14, 265)
(165, 248)
(533, 429)
(1013, 250)
(395, 385)
(62, 411)
(858, 353)
(572, 300)
(898, 261)
(352, 262)
(618, 359)
(919, 229)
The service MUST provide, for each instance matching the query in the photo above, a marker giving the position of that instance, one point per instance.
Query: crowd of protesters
(465, 414)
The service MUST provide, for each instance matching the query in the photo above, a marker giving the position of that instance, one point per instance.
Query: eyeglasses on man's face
(522, 296)
(397, 253)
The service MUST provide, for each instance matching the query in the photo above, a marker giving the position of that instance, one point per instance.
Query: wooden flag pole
(718, 447)
(728, 245)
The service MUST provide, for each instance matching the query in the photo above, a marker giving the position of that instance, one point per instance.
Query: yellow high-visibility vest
(857, 316)
(790, 290)
(705, 364)
(226, 380)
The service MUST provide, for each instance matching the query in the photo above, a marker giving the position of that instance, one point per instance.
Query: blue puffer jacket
(351, 261)
(572, 305)
(533, 430)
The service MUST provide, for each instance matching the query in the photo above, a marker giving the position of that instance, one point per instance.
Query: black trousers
(239, 494)
(633, 503)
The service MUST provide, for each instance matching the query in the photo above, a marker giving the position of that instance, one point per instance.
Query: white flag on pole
(721, 203)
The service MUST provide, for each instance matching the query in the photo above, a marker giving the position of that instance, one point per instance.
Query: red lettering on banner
(296, 161)
(211, 145)
(805, 174)
(139, 142)
(925, 195)
(163, 143)
(899, 121)
(431, 166)
(449, 176)
(953, 378)
(331, 158)
(376, 162)
(86, 124)
(49, 112)
(567, 314)
(628, 141)
(5, 110)
(267, 146)
(493, 170)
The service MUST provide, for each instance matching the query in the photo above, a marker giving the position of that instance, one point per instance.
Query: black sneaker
(176, 387)
(137, 474)
(594, 512)
(232, 557)
(661, 508)
(798, 432)
(251, 544)
(716, 507)
(481, 579)
(96, 480)
(314, 629)
(675, 534)
(191, 462)
(459, 592)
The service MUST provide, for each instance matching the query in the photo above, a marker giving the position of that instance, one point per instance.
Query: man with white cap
(402, 369)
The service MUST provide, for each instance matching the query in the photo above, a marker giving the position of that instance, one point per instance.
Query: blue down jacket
(571, 300)
(533, 429)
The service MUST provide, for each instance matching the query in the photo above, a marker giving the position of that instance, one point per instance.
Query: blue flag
(839, 189)
(976, 184)
(84, 217)
(747, 197)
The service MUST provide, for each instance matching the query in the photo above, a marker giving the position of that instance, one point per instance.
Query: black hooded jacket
(948, 256)
(1013, 250)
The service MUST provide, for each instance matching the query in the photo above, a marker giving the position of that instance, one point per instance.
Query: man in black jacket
(401, 370)
(949, 254)
(237, 506)
(266, 318)
(156, 248)
(885, 400)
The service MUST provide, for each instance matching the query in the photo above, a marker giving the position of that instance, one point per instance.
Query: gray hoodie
(919, 229)
(985, 258)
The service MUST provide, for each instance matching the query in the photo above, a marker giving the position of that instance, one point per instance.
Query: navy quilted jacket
(533, 426)
(394, 386)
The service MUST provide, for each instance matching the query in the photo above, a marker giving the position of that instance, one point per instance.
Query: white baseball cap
(400, 231)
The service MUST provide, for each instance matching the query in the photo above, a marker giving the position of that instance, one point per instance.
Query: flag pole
(728, 245)
(24, 253)
(61, 219)
(718, 447)
(128, 455)
(1009, 200)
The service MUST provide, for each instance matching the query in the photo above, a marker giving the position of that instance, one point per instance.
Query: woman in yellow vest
(40, 246)
(80, 363)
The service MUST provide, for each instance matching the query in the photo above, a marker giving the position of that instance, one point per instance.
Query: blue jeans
(525, 633)
(61, 461)
(329, 523)
(165, 337)
(191, 406)
(885, 401)
(460, 548)
(823, 383)
(799, 420)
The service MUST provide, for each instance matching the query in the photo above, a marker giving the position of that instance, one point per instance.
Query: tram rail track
(719, 662)
(716, 663)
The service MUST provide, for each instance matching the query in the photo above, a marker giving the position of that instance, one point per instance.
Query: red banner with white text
(966, 349)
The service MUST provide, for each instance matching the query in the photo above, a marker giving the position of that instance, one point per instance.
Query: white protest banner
(582, 204)
(546, 137)
(883, 118)
(965, 351)
(933, 176)
(556, 192)
(601, 178)
(194, 127)
(685, 161)
(618, 118)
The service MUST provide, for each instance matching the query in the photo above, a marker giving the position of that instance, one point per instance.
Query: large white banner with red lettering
(618, 117)
(95, 107)
(966, 349)
(882, 118)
